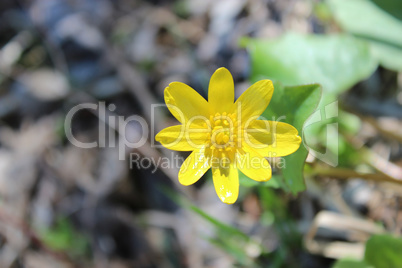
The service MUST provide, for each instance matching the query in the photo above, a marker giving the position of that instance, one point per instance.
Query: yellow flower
(225, 135)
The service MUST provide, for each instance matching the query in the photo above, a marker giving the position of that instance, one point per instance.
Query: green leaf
(381, 30)
(349, 263)
(294, 105)
(366, 19)
(393, 7)
(63, 237)
(220, 225)
(389, 56)
(383, 251)
(230, 239)
(337, 62)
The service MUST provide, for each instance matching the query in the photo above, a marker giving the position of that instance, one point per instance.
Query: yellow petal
(271, 138)
(185, 103)
(226, 182)
(192, 169)
(221, 91)
(253, 165)
(253, 102)
(179, 139)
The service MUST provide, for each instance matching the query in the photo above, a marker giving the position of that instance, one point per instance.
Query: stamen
(223, 136)
(225, 139)
(219, 138)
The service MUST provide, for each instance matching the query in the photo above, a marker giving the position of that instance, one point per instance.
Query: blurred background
(65, 206)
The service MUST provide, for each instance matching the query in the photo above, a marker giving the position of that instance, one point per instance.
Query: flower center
(223, 136)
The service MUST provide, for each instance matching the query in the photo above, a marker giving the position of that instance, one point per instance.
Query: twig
(383, 131)
(11, 52)
(342, 173)
(135, 83)
(382, 165)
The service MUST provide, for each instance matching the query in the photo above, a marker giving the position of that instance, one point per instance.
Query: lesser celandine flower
(225, 135)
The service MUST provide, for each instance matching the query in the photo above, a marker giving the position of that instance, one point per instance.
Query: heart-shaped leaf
(293, 105)
(337, 62)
